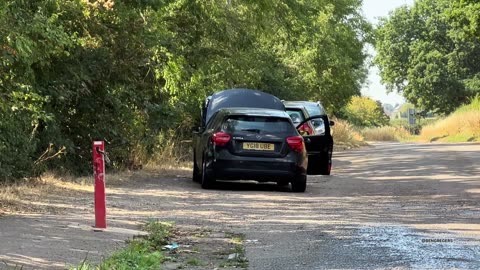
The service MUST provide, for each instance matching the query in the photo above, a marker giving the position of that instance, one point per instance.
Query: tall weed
(345, 135)
(386, 133)
(462, 125)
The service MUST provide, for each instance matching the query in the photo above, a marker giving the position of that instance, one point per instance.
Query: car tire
(196, 176)
(207, 180)
(299, 184)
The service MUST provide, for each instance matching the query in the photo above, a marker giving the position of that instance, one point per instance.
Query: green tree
(365, 112)
(427, 51)
(295, 50)
(130, 71)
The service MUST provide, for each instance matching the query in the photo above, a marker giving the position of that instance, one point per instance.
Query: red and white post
(99, 174)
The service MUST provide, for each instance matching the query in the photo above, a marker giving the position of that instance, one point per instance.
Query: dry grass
(345, 135)
(35, 195)
(171, 148)
(41, 195)
(173, 159)
(461, 126)
(173, 155)
(170, 168)
(386, 133)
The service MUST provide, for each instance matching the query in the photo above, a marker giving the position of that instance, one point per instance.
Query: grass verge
(386, 133)
(461, 126)
(196, 249)
(143, 252)
(44, 194)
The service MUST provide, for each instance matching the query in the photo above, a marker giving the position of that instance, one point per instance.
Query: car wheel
(207, 180)
(196, 177)
(299, 184)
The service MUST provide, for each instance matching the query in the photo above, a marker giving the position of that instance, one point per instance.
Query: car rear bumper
(264, 171)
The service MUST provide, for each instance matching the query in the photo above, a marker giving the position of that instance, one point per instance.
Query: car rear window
(258, 124)
(295, 115)
(315, 109)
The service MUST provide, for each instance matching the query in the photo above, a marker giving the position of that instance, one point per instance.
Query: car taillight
(306, 128)
(220, 138)
(296, 143)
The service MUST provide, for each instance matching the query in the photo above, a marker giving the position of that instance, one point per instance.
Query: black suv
(319, 154)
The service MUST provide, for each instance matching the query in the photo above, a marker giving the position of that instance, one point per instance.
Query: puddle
(423, 249)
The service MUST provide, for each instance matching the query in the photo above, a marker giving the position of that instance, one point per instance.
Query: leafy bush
(17, 147)
(129, 72)
(365, 112)
(75, 75)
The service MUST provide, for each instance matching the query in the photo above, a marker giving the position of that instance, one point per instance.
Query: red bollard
(99, 174)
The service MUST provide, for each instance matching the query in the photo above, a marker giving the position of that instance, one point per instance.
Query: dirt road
(391, 205)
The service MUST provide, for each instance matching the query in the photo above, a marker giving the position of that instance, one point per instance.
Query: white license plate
(258, 146)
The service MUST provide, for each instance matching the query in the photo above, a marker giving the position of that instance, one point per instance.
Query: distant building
(391, 110)
(388, 109)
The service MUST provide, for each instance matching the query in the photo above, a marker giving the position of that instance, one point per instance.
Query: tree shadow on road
(436, 186)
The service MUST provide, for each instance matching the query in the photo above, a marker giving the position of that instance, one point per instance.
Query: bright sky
(373, 9)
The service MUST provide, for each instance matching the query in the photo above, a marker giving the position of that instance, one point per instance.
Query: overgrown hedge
(130, 71)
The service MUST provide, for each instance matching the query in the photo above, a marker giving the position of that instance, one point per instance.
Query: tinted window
(214, 121)
(295, 115)
(314, 109)
(258, 124)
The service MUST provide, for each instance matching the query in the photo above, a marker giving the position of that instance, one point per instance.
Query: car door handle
(307, 140)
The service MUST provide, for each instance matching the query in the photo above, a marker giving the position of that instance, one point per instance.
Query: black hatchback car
(253, 144)
(247, 135)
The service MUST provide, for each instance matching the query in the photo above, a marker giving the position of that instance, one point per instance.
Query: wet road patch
(422, 249)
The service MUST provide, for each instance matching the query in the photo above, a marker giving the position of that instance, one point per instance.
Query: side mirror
(332, 123)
